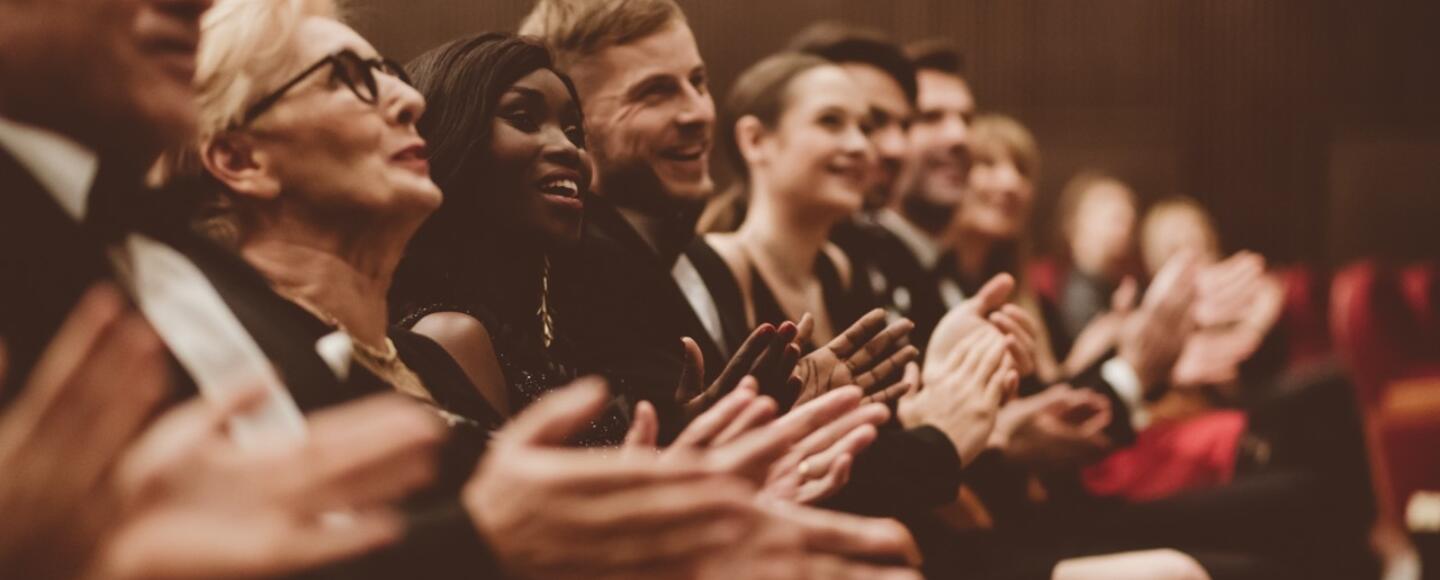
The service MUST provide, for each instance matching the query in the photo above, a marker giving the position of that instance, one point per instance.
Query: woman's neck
(346, 278)
(789, 241)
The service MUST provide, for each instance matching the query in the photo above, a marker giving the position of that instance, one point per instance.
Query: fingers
(829, 437)
(558, 415)
(846, 535)
(804, 328)
(659, 504)
(373, 450)
(780, 385)
(963, 352)
(874, 352)
(644, 428)
(692, 372)
(759, 412)
(1001, 386)
(1123, 300)
(180, 431)
(860, 333)
(100, 308)
(745, 358)
(1018, 324)
(909, 386)
(753, 454)
(994, 294)
(989, 352)
(871, 380)
(1174, 285)
(852, 444)
(891, 393)
(776, 364)
(833, 481)
(113, 394)
(317, 545)
(709, 424)
(673, 520)
(838, 568)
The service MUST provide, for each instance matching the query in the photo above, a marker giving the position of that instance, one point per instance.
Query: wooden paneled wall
(1241, 103)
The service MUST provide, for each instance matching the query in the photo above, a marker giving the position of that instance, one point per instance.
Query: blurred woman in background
(991, 227)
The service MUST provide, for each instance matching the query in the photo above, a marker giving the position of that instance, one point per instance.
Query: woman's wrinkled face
(537, 158)
(338, 158)
(1000, 197)
(819, 155)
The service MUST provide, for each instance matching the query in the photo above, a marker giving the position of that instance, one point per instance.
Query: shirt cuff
(1126, 383)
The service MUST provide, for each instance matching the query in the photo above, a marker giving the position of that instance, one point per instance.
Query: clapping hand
(768, 355)
(89, 396)
(986, 310)
(551, 512)
(803, 456)
(801, 542)
(966, 390)
(1151, 337)
(865, 355)
(1236, 305)
(1059, 428)
(199, 506)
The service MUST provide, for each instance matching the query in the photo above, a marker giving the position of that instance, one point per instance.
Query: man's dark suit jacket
(615, 297)
(633, 315)
(888, 272)
(47, 260)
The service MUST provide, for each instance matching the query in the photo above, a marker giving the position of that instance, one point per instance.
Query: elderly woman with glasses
(307, 141)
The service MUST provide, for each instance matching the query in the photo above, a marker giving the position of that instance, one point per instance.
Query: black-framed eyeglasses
(346, 66)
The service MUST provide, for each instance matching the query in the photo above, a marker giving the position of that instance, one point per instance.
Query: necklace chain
(385, 362)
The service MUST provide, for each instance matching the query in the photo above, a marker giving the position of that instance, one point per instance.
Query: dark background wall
(1300, 123)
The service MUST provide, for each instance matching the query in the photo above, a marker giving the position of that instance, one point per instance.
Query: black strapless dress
(531, 369)
(843, 306)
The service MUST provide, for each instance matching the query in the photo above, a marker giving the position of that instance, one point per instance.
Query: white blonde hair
(245, 50)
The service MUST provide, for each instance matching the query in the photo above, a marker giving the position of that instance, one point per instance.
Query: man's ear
(750, 136)
(234, 161)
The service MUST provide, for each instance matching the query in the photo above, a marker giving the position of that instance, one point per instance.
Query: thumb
(914, 378)
(994, 294)
(1123, 300)
(692, 372)
(644, 428)
(558, 415)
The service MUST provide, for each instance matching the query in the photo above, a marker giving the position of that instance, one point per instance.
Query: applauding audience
(278, 306)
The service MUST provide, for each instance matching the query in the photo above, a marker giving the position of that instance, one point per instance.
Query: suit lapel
(672, 307)
(47, 260)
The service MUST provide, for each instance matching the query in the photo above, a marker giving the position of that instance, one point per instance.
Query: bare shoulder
(468, 342)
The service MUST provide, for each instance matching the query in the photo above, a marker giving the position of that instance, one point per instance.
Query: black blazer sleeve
(905, 471)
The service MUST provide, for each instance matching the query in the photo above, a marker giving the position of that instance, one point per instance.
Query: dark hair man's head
(888, 78)
(940, 133)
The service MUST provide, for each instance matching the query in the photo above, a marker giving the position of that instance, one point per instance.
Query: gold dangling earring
(547, 326)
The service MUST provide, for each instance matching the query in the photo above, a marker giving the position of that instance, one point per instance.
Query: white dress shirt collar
(63, 167)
